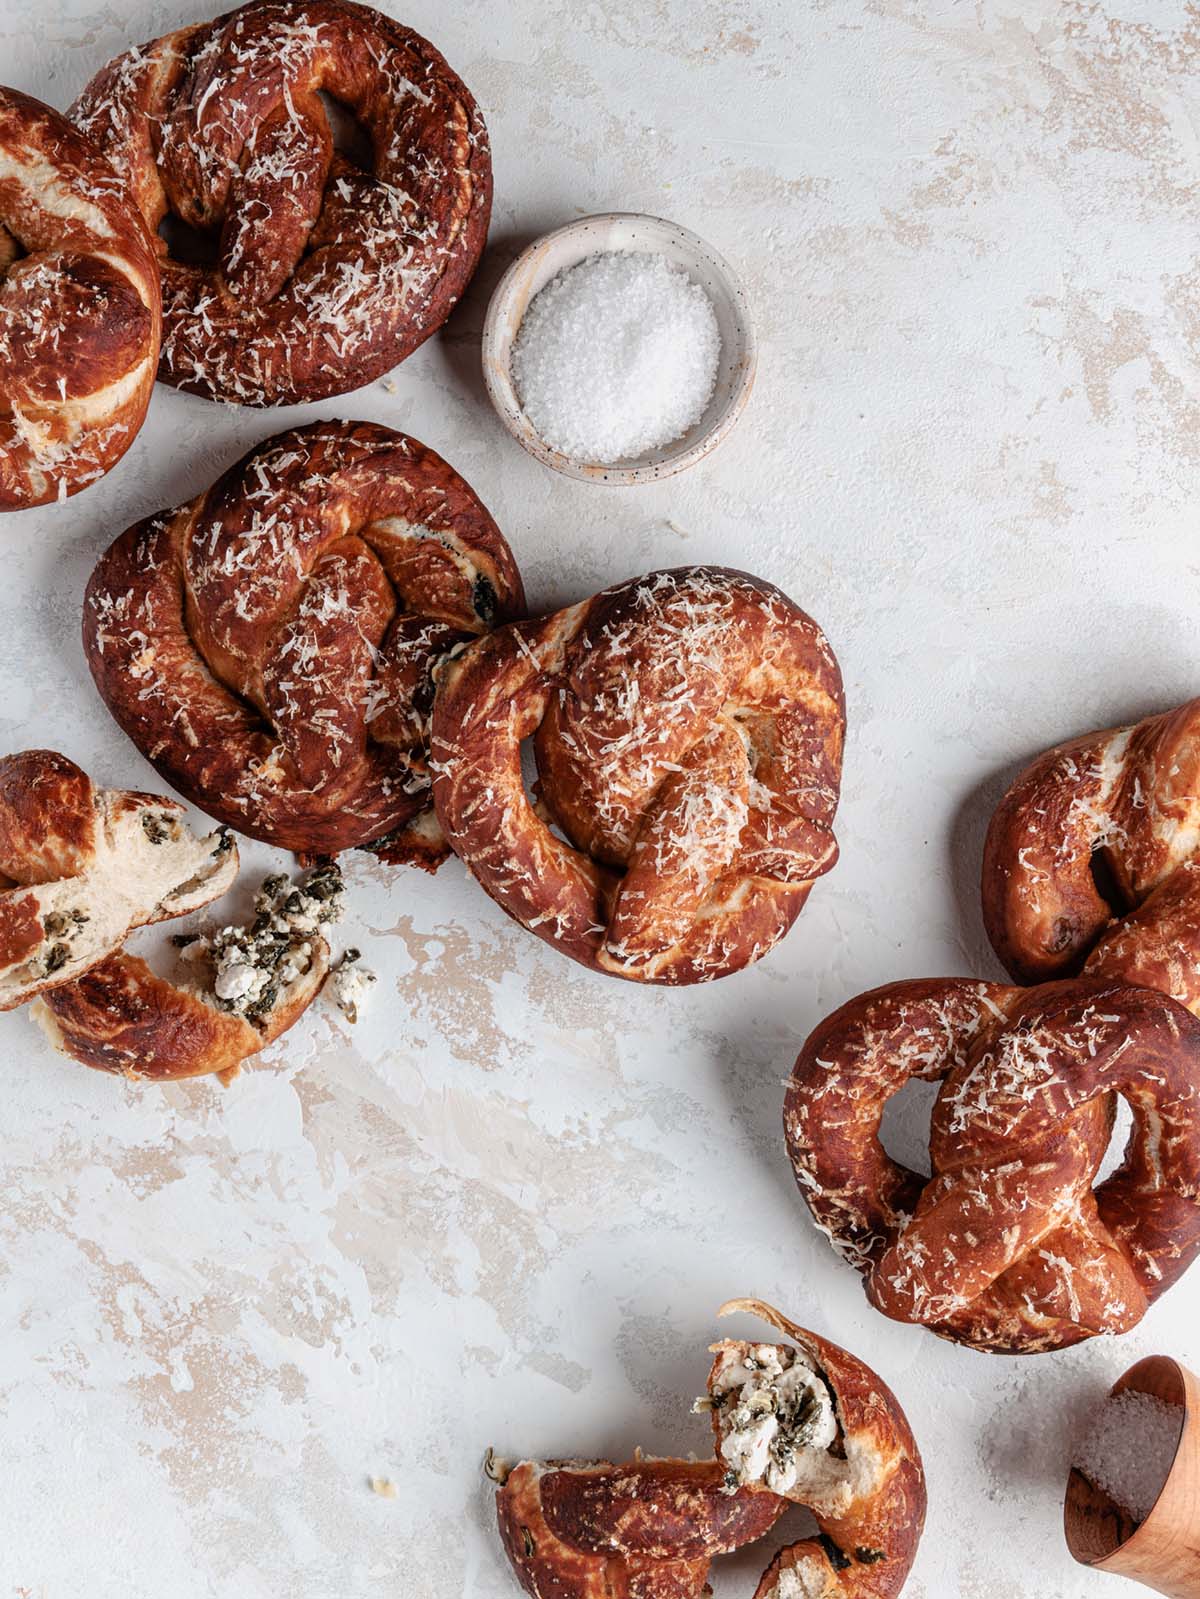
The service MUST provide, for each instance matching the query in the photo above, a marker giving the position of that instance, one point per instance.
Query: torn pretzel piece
(647, 1529)
(86, 867)
(811, 1422)
(251, 984)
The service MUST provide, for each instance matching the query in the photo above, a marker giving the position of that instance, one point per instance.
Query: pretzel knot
(1007, 1246)
(80, 314)
(270, 646)
(688, 732)
(312, 274)
(1092, 856)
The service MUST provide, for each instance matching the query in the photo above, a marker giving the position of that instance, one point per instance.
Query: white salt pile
(616, 356)
(1129, 1449)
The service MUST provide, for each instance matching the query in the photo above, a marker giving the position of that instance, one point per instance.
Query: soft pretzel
(688, 730)
(806, 1423)
(80, 308)
(644, 1530)
(816, 1425)
(270, 646)
(81, 867)
(1094, 855)
(308, 274)
(245, 987)
(1006, 1246)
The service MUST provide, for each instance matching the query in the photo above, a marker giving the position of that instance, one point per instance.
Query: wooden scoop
(1164, 1550)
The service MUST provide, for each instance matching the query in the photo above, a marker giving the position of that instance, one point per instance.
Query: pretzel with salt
(1008, 1246)
(270, 646)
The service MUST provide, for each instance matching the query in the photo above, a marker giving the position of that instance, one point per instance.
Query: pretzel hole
(1110, 882)
(742, 1569)
(11, 251)
(904, 1125)
(1115, 1152)
(350, 137)
(531, 783)
(189, 245)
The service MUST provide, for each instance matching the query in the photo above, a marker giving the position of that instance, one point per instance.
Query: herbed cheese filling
(775, 1414)
(252, 966)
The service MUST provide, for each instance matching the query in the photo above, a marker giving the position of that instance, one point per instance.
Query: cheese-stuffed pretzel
(688, 731)
(310, 273)
(270, 646)
(1008, 1246)
(805, 1423)
(814, 1424)
(80, 308)
(1094, 855)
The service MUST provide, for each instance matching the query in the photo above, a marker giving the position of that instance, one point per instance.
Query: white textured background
(503, 1210)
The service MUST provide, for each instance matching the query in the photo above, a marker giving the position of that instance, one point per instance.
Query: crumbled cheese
(771, 1407)
(349, 984)
(252, 964)
(384, 1487)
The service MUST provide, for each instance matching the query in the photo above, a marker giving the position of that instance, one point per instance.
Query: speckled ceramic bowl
(566, 247)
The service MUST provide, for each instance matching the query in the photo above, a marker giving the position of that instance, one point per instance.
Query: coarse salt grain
(616, 356)
(1129, 1449)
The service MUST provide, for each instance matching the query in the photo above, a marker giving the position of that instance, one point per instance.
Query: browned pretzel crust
(270, 646)
(1095, 851)
(80, 308)
(1006, 1247)
(688, 729)
(123, 1018)
(315, 274)
(870, 1505)
(645, 1530)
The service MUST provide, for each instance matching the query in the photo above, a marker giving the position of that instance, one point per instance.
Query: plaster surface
(503, 1208)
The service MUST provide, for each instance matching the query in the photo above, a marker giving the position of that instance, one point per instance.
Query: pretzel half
(121, 1017)
(270, 646)
(688, 730)
(865, 1487)
(1093, 856)
(302, 272)
(80, 308)
(1008, 1246)
(647, 1529)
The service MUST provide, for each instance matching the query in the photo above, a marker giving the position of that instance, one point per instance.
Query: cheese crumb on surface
(350, 984)
(384, 1487)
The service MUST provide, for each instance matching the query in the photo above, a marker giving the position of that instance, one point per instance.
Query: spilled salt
(1129, 1448)
(616, 356)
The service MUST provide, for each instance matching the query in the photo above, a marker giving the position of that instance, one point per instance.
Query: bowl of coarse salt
(1133, 1496)
(619, 349)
